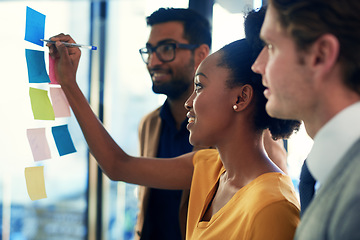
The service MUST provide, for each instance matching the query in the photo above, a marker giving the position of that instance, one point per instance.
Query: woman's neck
(245, 160)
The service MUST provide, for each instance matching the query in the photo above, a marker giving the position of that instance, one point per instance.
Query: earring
(235, 107)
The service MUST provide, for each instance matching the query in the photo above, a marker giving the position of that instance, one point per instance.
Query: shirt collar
(165, 112)
(167, 117)
(332, 141)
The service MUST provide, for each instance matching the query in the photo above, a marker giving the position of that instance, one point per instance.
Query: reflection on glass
(63, 214)
(128, 97)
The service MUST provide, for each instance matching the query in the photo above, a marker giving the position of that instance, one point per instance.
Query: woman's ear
(200, 54)
(243, 97)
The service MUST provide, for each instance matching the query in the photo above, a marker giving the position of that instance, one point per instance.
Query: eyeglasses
(165, 52)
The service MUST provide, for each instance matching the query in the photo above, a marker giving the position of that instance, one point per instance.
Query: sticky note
(52, 71)
(35, 26)
(41, 105)
(63, 140)
(36, 66)
(38, 144)
(35, 182)
(59, 102)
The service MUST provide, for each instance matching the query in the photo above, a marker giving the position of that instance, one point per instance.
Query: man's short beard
(179, 85)
(173, 90)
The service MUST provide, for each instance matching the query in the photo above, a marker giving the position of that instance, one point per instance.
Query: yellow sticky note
(41, 105)
(35, 182)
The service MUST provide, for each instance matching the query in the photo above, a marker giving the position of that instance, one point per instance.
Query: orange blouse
(266, 208)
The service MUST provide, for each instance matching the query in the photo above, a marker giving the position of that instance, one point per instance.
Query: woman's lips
(191, 120)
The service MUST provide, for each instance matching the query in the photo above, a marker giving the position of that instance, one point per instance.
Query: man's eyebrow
(168, 40)
(266, 36)
(263, 36)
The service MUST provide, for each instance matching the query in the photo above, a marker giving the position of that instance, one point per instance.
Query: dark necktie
(306, 188)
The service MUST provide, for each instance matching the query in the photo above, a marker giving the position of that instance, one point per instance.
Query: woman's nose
(189, 102)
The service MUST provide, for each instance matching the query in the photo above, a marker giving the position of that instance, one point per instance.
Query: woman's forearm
(101, 144)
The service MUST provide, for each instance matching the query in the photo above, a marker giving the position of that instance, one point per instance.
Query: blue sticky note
(63, 140)
(35, 61)
(35, 26)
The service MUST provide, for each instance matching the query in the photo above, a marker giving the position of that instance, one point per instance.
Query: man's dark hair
(197, 29)
(307, 20)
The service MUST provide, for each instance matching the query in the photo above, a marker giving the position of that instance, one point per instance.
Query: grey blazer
(334, 213)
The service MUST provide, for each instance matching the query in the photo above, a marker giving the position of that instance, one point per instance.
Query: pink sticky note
(38, 143)
(60, 103)
(52, 71)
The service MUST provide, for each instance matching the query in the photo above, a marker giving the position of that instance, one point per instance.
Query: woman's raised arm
(175, 173)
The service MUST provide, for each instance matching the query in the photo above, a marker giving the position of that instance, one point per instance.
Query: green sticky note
(41, 105)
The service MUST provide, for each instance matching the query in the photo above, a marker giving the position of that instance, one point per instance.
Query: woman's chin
(193, 141)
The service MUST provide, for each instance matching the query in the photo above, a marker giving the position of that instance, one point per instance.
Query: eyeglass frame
(176, 45)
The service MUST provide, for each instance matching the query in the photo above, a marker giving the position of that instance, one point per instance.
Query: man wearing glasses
(179, 40)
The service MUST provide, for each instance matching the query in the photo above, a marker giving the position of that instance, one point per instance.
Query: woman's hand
(66, 59)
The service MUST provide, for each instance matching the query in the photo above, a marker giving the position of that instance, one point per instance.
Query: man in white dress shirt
(311, 68)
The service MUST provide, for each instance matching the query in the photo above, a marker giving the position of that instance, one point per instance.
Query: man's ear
(244, 97)
(325, 51)
(200, 54)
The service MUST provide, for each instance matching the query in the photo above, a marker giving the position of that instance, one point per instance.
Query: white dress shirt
(332, 141)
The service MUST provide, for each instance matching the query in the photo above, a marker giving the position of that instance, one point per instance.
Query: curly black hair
(238, 57)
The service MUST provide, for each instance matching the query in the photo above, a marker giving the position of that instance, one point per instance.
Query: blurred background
(81, 202)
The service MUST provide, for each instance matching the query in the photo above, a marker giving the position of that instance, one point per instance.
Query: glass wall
(127, 98)
(63, 214)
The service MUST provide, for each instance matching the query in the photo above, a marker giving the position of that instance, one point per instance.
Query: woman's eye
(198, 87)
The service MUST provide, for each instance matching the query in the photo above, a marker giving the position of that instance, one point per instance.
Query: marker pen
(72, 44)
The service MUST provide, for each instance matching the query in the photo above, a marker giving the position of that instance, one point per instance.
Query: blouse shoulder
(278, 220)
(205, 155)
